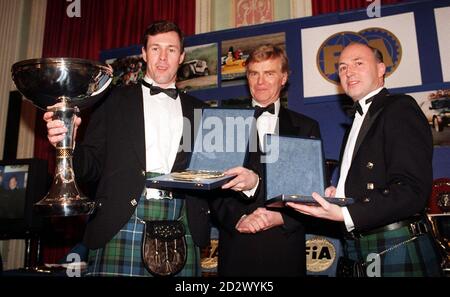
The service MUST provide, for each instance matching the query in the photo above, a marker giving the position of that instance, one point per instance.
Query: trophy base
(68, 208)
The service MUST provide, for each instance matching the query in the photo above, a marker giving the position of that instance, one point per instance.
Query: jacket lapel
(133, 119)
(374, 111)
(284, 123)
(187, 109)
(182, 158)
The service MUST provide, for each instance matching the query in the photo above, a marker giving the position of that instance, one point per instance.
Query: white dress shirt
(265, 124)
(163, 118)
(348, 153)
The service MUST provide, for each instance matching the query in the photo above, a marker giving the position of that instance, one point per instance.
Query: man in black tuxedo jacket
(386, 166)
(15, 199)
(254, 241)
(137, 132)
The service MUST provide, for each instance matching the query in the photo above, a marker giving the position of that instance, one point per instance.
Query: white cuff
(347, 219)
(251, 192)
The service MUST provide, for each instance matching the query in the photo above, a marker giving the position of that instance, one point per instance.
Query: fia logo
(320, 254)
(379, 38)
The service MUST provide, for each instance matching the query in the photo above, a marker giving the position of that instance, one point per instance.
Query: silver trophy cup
(75, 84)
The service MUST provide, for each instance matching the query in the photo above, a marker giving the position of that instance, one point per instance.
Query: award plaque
(196, 175)
(300, 163)
(280, 200)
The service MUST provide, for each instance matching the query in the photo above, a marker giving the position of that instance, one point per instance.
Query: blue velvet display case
(294, 170)
(221, 143)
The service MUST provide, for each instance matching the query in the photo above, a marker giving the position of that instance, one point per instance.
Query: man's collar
(367, 100)
(153, 83)
(365, 104)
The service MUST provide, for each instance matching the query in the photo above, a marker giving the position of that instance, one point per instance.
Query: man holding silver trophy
(135, 134)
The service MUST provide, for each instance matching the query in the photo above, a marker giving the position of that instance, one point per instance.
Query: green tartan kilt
(418, 257)
(122, 255)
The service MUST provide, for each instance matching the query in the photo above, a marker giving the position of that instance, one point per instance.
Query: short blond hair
(267, 52)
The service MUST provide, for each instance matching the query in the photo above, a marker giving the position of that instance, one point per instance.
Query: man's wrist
(240, 220)
(252, 191)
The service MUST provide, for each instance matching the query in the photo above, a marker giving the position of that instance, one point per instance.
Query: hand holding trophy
(75, 84)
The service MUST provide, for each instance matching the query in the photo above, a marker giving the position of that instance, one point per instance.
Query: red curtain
(329, 6)
(104, 24)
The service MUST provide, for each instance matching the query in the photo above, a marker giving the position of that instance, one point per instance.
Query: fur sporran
(164, 249)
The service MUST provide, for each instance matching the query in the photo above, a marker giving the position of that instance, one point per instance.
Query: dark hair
(267, 52)
(163, 26)
(377, 54)
(11, 178)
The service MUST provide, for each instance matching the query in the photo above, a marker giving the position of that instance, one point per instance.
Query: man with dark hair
(134, 134)
(162, 26)
(387, 167)
(12, 183)
(12, 199)
(254, 241)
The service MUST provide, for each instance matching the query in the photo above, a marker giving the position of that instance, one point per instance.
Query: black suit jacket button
(365, 200)
(369, 165)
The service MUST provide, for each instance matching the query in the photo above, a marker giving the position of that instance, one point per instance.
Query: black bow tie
(260, 110)
(357, 107)
(172, 93)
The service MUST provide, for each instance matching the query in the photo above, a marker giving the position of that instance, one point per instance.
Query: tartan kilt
(418, 257)
(122, 255)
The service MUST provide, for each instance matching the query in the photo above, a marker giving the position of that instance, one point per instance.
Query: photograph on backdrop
(127, 70)
(13, 183)
(435, 104)
(235, 52)
(199, 68)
